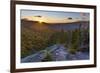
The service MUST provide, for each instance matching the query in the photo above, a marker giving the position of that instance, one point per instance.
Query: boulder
(35, 57)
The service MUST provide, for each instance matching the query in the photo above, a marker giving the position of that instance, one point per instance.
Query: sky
(53, 16)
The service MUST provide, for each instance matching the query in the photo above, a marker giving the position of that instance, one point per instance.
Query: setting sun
(40, 21)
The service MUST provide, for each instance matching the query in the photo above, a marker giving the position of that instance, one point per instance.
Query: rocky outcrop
(57, 53)
(35, 57)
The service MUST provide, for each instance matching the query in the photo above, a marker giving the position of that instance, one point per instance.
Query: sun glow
(50, 19)
(40, 21)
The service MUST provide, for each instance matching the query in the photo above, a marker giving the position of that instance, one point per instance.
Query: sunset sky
(54, 16)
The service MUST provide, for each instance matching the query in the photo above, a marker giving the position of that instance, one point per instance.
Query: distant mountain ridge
(54, 26)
